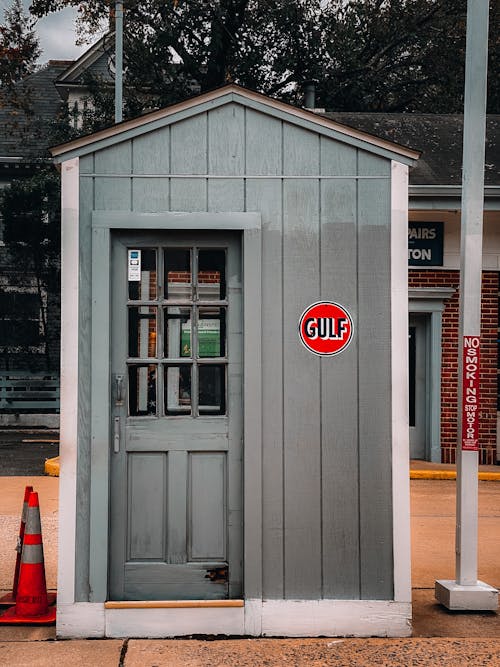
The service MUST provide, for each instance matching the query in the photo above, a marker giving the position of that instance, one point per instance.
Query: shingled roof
(439, 137)
(24, 125)
(24, 134)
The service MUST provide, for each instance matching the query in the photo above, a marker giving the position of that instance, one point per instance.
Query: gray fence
(28, 392)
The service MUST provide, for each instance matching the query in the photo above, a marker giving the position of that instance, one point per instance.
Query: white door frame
(102, 224)
(431, 302)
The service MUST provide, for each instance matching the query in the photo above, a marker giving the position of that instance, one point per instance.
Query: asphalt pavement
(24, 452)
(440, 637)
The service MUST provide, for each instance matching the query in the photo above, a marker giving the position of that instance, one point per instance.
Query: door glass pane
(142, 390)
(177, 334)
(212, 390)
(178, 390)
(141, 274)
(211, 332)
(142, 331)
(211, 275)
(177, 273)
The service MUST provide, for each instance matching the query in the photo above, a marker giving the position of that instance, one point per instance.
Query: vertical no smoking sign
(325, 328)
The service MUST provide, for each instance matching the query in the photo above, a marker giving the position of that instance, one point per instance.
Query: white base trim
(81, 619)
(271, 618)
(336, 618)
(159, 623)
(481, 597)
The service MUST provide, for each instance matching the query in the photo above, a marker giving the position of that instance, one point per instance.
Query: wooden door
(176, 422)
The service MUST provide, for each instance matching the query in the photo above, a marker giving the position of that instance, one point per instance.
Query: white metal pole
(118, 62)
(471, 256)
(466, 592)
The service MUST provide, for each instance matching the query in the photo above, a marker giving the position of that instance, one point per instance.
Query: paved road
(26, 458)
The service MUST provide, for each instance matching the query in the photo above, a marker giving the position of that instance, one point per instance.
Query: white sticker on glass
(134, 265)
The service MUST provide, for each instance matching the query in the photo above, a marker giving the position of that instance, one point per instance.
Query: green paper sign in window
(208, 339)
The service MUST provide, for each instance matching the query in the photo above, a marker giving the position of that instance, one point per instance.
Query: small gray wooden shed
(216, 476)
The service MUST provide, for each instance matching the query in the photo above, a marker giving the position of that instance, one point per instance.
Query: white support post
(466, 592)
(118, 62)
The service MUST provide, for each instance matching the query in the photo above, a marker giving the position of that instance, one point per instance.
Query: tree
(366, 55)
(19, 47)
(30, 210)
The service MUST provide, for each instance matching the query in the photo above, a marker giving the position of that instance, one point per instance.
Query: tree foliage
(19, 47)
(366, 55)
(31, 214)
(30, 209)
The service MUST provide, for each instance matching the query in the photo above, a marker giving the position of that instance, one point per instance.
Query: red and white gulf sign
(325, 328)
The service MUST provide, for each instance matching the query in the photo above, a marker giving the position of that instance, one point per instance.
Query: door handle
(116, 435)
(119, 389)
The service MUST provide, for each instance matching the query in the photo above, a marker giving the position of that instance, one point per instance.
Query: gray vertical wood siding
(327, 493)
(340, 377)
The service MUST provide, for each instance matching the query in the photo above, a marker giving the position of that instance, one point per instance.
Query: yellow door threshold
(172, 604)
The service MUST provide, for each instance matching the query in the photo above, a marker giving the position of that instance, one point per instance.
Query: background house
(44, 108)
(29, 299)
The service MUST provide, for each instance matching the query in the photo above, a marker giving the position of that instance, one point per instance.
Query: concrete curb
(451, 474)
(52, 467)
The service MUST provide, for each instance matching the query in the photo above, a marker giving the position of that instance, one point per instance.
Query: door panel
(207, 503)
(176, 354)
(192, 579)
(146, 474)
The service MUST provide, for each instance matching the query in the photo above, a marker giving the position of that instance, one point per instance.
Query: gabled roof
(236, 94)
(23, 124)
(94, 60)
(438, 136)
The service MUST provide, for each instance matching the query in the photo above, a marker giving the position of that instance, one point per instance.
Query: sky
(56, 33)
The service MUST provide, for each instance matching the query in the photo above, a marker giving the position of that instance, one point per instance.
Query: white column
(466, 592)
(69, 381)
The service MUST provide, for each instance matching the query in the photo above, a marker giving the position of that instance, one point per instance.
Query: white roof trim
(242, 94)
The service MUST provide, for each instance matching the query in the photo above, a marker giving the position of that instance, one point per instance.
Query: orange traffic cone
(10, 598)
(31, 601)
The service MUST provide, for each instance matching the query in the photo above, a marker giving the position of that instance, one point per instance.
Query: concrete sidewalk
(254, 653)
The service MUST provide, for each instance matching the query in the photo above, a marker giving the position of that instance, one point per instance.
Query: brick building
(434, 272)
